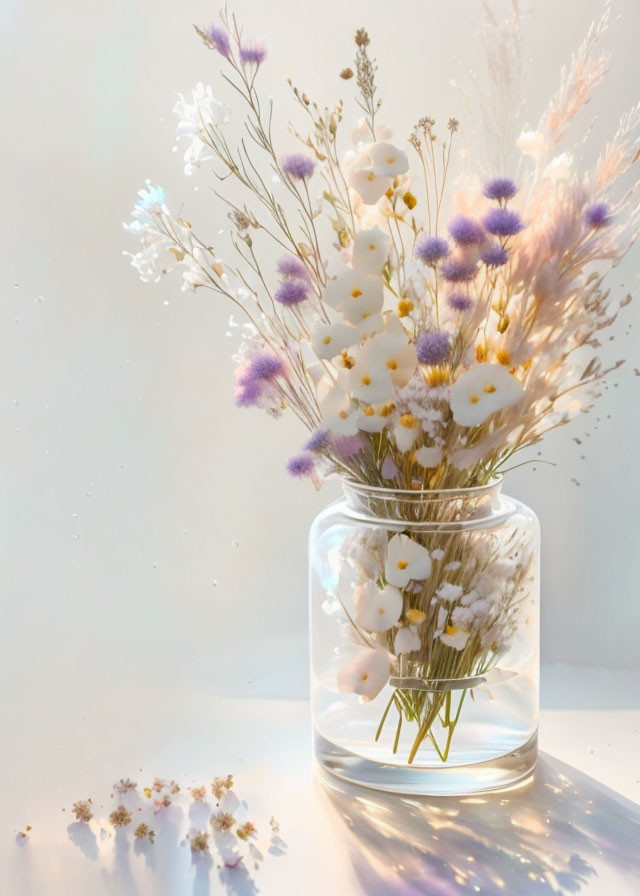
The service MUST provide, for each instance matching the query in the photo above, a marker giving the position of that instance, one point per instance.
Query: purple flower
(597, 215)
(290, 266)
(466, 231)
(431, 249)
(459, 270)
(253, 54)
(292, 292)
(433, 347)
(300, 465)
(318, 441)
(348, 446)
(264, 367)
(500, 188)
(503, 222)
(220, 39)
(297, 166)
(459, 301)
(494, 256)
(249, 393)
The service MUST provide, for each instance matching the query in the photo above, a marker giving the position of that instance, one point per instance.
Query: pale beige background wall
(127, 474)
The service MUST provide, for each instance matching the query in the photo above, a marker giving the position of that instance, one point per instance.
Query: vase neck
(458, 505)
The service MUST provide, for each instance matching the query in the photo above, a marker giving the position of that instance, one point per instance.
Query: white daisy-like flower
(338, 412)
(407, 640)
(373, 418)
(559, 168)
(356, 295)
(449, 592)
(532, 144)
(387, 160)
(406, 430)
(455, 637)
(366, 674)
(482, 390)
(386, 361)
(204, 111)
(329, 340)
(369, 186)
(371, 250)
(376, 610)
(361, 134)
(428, 456)
(406, 560)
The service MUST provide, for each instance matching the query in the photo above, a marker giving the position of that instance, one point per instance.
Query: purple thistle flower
(597, 215)
(290, 266)
(503, 222)
(300, 465)
(459, 270)
(348, 446)
(318, 441)
(298, 166)
(466, 231)
(494, 256)
(292, 292)
(433, 347)
(220, 39)
(263, 367)
(253, 54)
(249, 394)
(500, 188)
(459, 301)
(431, 249)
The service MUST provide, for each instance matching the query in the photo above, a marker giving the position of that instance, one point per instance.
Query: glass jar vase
(424, 639)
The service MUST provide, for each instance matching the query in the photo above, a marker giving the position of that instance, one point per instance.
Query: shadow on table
(540, 838)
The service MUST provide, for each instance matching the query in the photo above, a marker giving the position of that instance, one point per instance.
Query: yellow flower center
(347, 360)
(392, 365)
(381, 611)
(402, 564)
(474, 399)
(343, 415)
(355, 292)
(364, 677)
(366, 380)
(387, 409)
(451, 629)
(415, 616)
(437, 376)
(409, 200)
(326, 340)
(503, 357)
(489, 388)
(405, 307)
(372, 247)
(408, 420)
(368, 411)
(390, 160)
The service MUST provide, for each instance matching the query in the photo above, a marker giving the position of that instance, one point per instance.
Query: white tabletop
(575, 829)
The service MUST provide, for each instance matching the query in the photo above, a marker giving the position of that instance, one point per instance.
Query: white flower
(370, 250)
(443, 614)
(482, 390)
(365, 675)
(428, 456)
(377, 610)
(204, 111)
(386, 361)
(462, 617)
(455, 637)
(406, 430)
(328, 340)
(387, 160)
(407, 640)
(448, 591)
(532, 143)
(361, 134)
(406, 560)
(559, 168)
(338, 413)
(369, 186)
(356, 295)
(451, 567)
(373, 419)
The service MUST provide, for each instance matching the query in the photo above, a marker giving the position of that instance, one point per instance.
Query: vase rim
(431, 494)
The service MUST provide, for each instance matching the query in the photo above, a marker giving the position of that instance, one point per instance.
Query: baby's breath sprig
(366, 69)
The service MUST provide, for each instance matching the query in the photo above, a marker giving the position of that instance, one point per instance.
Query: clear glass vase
(424, 639)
